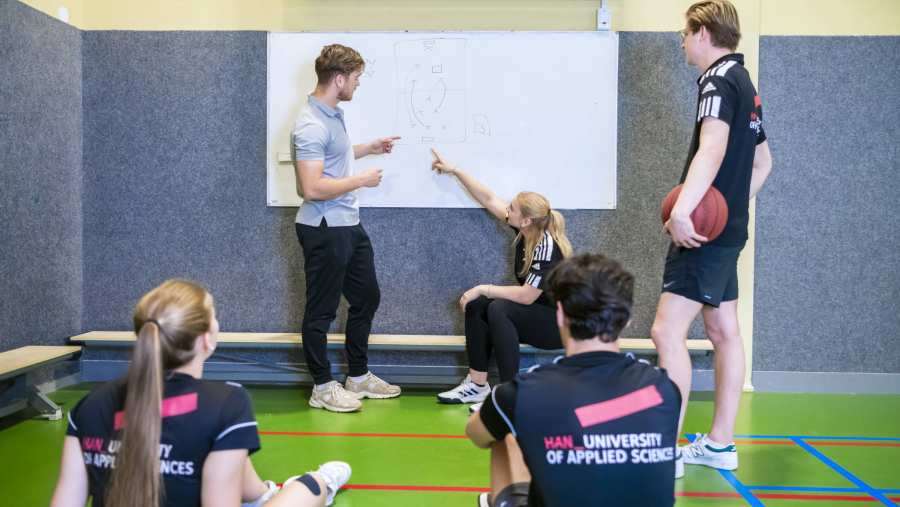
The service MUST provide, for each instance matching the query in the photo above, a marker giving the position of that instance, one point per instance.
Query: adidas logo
(708, 88)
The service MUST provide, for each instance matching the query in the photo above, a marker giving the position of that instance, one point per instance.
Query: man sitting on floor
(597, 427)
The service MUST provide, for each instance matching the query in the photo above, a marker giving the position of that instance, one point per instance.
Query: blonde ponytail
(557, 228)
(537, 208)
(168, 320)
(135, 479)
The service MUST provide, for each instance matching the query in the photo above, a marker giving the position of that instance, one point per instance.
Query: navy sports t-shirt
(596, 428)
(726, 92)
(199, 417)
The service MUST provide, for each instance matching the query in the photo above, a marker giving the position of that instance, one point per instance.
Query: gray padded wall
(175, 186)
(40, 178)
(827, 264)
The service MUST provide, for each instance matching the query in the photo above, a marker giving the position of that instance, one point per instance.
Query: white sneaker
(334, 474)
(703, 452)
(679, 463)
(272, 489)
(466, 392)
(475, 407)
(371, 387)
(333, 397)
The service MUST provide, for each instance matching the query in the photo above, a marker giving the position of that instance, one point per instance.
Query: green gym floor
(798, 449)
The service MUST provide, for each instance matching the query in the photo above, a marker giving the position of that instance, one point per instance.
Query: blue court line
(744, 491)
(818, 437)
(735, 483)
(843, 471)
(817, 489)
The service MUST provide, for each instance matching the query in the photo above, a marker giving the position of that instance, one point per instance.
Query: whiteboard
(518, 110)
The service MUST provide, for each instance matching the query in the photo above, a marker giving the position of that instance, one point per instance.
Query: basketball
(709, 217)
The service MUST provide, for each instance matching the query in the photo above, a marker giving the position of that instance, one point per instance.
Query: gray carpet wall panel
(40, 178)
(175, 137)
(827, 264)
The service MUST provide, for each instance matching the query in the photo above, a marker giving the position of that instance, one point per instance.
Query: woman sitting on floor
(164, 436)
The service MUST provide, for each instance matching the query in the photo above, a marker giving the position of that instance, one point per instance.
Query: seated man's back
(589, 428)
(596, 427)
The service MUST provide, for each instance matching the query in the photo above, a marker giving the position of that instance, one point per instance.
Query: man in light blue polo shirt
(337, 253)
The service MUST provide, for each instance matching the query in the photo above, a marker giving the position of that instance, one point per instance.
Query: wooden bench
(14, 364)
(376, 341)
(263, 365)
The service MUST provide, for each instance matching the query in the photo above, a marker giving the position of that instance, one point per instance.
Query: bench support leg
(47, 409)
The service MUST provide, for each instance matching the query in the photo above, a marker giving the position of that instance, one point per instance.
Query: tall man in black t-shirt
(729, 152)
(594, 428)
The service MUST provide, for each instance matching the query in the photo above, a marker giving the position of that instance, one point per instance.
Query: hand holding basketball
(683, 234)
(705, 223)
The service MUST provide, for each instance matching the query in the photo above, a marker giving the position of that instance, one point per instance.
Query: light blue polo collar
(334, 112)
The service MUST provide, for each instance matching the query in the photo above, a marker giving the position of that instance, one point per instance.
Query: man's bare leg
(669, 332)
(725, 335)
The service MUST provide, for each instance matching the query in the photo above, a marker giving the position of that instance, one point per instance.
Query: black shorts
(514, 495)
(707, 274)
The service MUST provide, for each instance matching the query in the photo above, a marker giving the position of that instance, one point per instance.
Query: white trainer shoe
(466, 392)
(336, 474)
(333, 397)
(371, 387)
(703, 452)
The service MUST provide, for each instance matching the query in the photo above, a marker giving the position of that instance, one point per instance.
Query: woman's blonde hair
(543, 219)
(167, 321)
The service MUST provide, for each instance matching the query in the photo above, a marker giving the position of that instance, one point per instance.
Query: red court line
(842, 498)
(861, 443)
(690, 494)
(708, 494)
(397, 487)
(748, 441)
(353, 434)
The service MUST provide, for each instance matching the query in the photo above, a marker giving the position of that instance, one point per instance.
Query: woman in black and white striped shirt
(500, 317)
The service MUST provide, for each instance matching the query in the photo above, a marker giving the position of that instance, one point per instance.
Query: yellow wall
(51, 7)
(771, 17)
(758, 17)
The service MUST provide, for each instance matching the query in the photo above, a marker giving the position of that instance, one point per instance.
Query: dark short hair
(337, 59)
(596, 294)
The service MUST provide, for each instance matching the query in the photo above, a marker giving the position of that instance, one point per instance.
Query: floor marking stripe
(843, 471)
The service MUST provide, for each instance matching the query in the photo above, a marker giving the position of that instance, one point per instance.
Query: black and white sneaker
(466, 392)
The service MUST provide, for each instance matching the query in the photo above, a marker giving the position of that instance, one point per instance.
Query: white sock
(715, 444)
(322, 387)
(359, 378)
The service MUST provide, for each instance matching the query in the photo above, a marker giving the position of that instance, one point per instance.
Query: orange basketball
(709, 217)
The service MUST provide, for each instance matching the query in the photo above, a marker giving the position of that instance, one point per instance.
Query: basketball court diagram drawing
(431, 105)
